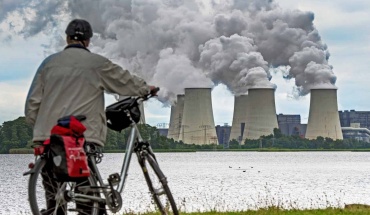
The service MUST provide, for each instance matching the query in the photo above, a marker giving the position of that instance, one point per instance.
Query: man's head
(79, 31)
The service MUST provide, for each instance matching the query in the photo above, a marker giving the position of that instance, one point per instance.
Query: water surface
(225, 180)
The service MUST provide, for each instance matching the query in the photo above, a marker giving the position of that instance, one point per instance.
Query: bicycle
(93, 192)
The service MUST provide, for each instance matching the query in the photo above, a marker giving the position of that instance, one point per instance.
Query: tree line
(18, 134)
(277, 140)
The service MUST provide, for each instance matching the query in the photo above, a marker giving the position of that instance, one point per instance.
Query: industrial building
(362, 117)
(197, 124)
(255, 115)
(323, 119)
(354, 131)
(290, 125)
(163, 131)
(223, 134)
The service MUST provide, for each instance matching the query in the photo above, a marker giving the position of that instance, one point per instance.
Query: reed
(355, 209)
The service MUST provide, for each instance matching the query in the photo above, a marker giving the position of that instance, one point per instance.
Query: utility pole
(260, 144)
(183, 131)
(162, 125)
(205, 132)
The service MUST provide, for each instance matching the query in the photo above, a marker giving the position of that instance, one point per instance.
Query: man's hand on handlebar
(153, 90)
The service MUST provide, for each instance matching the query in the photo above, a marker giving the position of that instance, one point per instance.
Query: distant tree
(277, 133)
(15, 134)
(234, 144)
(251, 144)
(18, 134)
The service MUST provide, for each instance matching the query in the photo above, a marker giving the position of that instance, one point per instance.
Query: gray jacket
(73, 82)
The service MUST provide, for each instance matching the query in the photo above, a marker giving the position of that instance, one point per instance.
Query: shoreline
(30, 151)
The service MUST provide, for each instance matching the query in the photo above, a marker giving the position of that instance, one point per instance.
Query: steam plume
(177, 44)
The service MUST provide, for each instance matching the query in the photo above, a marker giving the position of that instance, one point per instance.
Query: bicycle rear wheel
(157, 183)
(47, 196)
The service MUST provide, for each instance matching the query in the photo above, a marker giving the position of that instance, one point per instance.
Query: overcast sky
(343, 25)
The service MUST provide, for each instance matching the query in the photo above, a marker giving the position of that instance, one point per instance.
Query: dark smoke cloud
(178, 43)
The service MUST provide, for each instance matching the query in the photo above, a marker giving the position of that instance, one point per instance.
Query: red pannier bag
(67, 155)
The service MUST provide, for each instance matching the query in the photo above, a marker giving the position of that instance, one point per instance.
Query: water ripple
(225, 181)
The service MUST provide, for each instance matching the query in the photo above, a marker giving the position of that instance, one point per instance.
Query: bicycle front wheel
(158, 186)
(47, 196)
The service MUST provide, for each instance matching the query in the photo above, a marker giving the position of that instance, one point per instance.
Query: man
(73, 82)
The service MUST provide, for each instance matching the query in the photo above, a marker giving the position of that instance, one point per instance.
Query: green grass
(21, 151)
(349, 209)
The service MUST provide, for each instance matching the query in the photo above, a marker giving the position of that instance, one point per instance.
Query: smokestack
(323, 119)
(261, 113)
(198, 125)
(176, 118)
(239, 118)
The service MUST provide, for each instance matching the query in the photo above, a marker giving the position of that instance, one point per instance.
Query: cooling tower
(323, 119)
(198, 125)
(239, 118)
(261, 113)
(176, 118)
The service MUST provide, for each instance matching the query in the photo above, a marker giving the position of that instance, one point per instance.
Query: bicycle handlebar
(152, 93)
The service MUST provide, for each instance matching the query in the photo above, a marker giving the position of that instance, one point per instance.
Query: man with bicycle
(73, 82)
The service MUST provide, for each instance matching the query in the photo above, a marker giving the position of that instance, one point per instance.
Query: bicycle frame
(134, 134)
(134, 138)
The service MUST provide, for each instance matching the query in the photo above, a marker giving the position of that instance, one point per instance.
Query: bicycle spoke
(48, 196)
(158, 187)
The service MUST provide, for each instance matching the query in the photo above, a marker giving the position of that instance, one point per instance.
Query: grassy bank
(21, 151)
(349, 209)
(283, 150)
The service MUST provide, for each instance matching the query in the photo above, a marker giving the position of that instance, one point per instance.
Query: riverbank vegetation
(16, 137)
(348, 210)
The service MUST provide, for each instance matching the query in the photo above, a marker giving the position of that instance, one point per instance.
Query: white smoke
(170, 67)
(310, 69)
(228, 60)
(234, 42)
(282, 37)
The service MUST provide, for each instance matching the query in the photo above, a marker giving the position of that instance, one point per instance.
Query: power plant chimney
(198, 125)
(260, 113)
(323, 119)
(176, 118)
(239, 118)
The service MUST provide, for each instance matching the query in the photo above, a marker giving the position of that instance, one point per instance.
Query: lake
(224, 181)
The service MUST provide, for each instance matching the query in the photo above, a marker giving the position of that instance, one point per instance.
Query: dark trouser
(51, 187)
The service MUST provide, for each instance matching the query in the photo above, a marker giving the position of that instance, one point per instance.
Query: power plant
(198, 125)
(176, 118)
(254, 115)
(323, 119)
(239, 117)
(261, 113)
